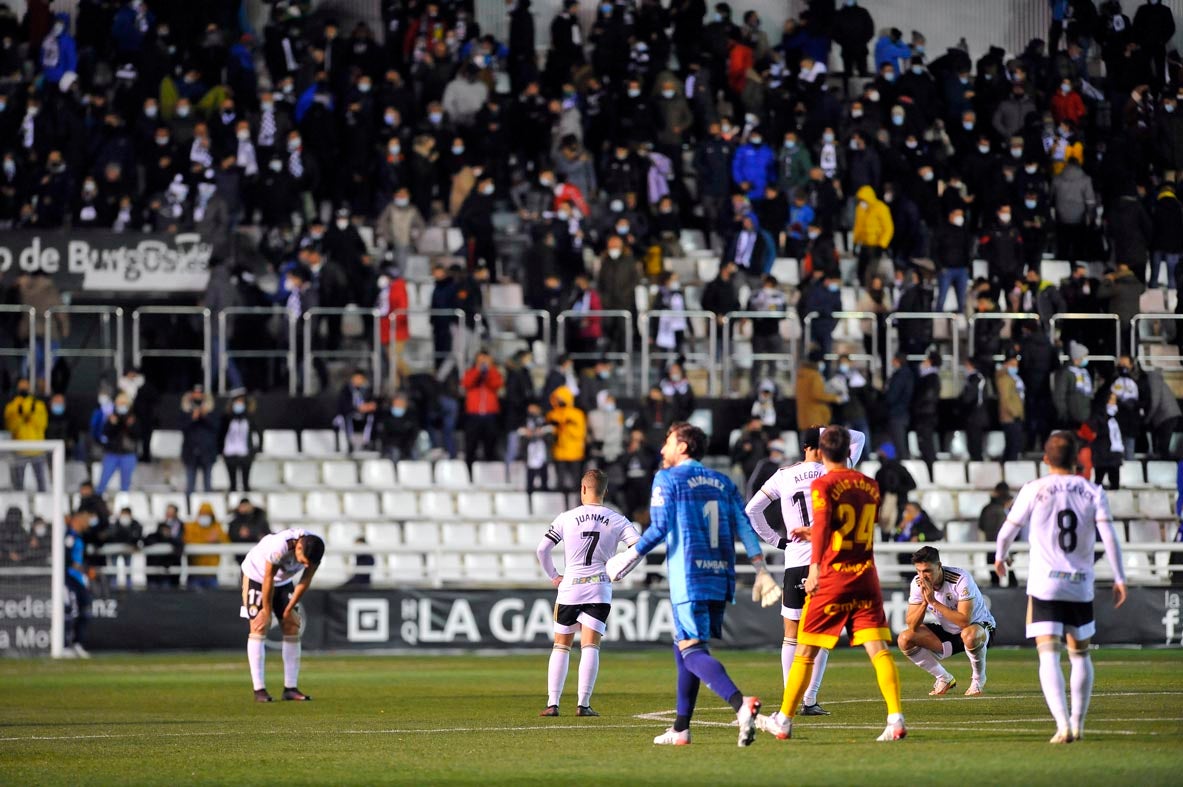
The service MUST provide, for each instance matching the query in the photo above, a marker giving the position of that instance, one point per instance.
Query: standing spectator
(822, 300)
(356, 407)
(240, 439)
(1131, 230)
(63, 426)
(813, 400)
(1002, 248)
(991, 520)
(26, 418)
(951, 254)
(1166, 240)
(672, 327)
(1154, 27)
(400, 225)
(754, 166)
(898, 397)
(519, 392)
(605, 431)
(1121, 291)
(853, 30)
(852, 388)
(199, 438)
(1160, 411)
(589, 327)
(1073, 392)
(39, 291)
(1108, 443)
(482, 409)
(204, 529)
(1011, 400)
(570, 445)
(537, 435)
(678, 393)
(872, 232)
(1037, 360)
(972, 401)
(1124, 389)
(1074, 202)
(926, 400)
(618, 278)
(895, 482)
(712, 164)
(720, 296)
(121, 430)
(766, 338)
(763, 471)
(394, 324)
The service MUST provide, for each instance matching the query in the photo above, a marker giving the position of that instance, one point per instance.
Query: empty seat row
(1124, 504)
(953, 474)
(166, 443)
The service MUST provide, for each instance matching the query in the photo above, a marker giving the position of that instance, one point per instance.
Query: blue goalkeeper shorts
(701, 620)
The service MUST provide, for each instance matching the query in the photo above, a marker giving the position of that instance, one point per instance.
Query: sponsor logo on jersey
(712, 565)
(850, 606)
(657, 498)
(853, 568)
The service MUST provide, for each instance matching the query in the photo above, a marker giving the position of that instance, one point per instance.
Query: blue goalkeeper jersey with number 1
(698, 513)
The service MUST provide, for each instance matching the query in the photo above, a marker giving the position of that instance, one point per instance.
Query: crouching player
(268, 573)
(964, 623)
(589, 535)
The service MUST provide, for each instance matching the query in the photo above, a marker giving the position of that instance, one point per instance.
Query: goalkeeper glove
(765, 590)
(620, 564)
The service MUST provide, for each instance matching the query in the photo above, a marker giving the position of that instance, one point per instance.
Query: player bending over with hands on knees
(790, 485)
(964, 623)
(589, 535)
(268, 573)
(1064, 512)
(698, 513)
(842, 584)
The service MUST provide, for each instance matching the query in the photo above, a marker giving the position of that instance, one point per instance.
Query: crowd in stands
(633, 126)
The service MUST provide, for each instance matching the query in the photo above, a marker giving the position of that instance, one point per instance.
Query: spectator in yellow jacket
(873, 231)
(205, 529)
(570, 438)
(25, 418)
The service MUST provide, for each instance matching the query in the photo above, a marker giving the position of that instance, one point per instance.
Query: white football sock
(946, 650)
(819, 670)
(560, 657)
(977, 662)
(1051, 680)
(788, 649)
(291, 662)
(1082, 686)
(256, 649)
(926, 660)
(589, 667)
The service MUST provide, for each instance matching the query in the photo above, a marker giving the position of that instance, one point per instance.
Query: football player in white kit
(790, 485)
(589, 534)
(963, 622)
(1065, 512)
(268, 572)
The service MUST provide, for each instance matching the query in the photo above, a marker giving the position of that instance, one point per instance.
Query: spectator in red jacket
(1067, 104)
(482, 409)
(392, 305)
(585, 335)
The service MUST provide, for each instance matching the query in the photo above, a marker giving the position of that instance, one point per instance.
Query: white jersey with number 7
(590, 535)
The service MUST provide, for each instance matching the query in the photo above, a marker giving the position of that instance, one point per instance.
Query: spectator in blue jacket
(754, 166)
(823, 298)
(899, 403)
(891, 49)
(131, 24)
(58, 52)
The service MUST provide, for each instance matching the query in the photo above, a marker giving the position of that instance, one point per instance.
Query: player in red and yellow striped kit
(843, 586)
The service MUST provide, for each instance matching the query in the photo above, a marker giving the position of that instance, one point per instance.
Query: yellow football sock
(799, 675)
(889, 679)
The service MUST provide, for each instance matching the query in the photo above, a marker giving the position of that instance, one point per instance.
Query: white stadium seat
(452, 474)
(343, 534)
(1145, 532)
(971, 503)
(868, 467)
(958, 448)
(948, 474)
(421, 534)
(995, 445)
(360, 505)
(323, 505)
(406, 567)
(939, 505)
(165, 444)
(512, 505)
(339, 474)
(383, 534)
(333, 569)
(415, 474)
(446, 567)
(136, 501)
(1156, 505)
(319, 442)
(266, 474)
(919, 472)
(1162, 475)
(495, 534)
(530, 533)
(547, 504)
(488, 475)
(959, 532)
(285, 506)
(1132, 475)
(18, 500)
(301, 475)
(1121, 504)
(482, 568)
(400, 504)
(521, 567)
(474, 504)
(1019, 472)
(162, 500)
(436, 505)
(517, 475)
(280, 443)
(984, 475)
(458, 534)
(377, 473)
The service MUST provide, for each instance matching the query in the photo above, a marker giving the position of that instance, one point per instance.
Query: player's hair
(694, 438)
(835, 444)
(598, 480)
(314, 548)
(926, 555)
(1060, 450)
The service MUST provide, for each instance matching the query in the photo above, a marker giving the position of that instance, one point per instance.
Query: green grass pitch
(473, 719)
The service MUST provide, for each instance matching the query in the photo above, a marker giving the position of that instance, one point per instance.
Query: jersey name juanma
(589, 535)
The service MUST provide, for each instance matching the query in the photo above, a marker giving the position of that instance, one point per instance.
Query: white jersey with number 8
(590, 535)
(1064, 513)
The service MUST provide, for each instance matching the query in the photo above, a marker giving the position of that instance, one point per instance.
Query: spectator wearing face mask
(26, 418)
(570, 442)
(753, 166)
(605, 426)
(1126, 393)
(248, 524)
(240, 439)
(1073, 391)
(121, 431)
(475, 220)
(397, 429)
(199, 438)
(873, 230)
(204, 529)
(822, 300)
(1012, 395)
(951, 253)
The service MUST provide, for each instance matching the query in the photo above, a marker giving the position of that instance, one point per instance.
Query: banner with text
(409, 619)
(108, 261)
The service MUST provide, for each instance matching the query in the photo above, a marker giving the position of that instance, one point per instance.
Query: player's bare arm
(915, 616)
(262, 621)
(301, 587)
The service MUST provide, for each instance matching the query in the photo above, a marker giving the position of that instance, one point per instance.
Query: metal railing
(973, 318)
(225, 353)
(372, 354)
(954, 319)
(624, 357)
(1136, 341)
(28, 353)
(493, 320)
(871, 359)
(728, 344)
(458, 353)
(1080, 317)
(202, 355)
(112, 342)
(705, 359)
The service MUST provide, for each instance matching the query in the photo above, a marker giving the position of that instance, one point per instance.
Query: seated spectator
(640, 463)
(764, 407)
(162, 555)
(1106, 442)
(124, 529)
(204, 529)
(355, 411)
(536, 435)
(248, 524)
(750, 448)
(199, 438)
(678, 393)
(363, 567)
(605, 425)
(240, 439)
(914, 526)
(991, 519)
(13, 538)
(397, 430)
(121, 431)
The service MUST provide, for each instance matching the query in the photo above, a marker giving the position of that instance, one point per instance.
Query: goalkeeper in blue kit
(698, 513)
